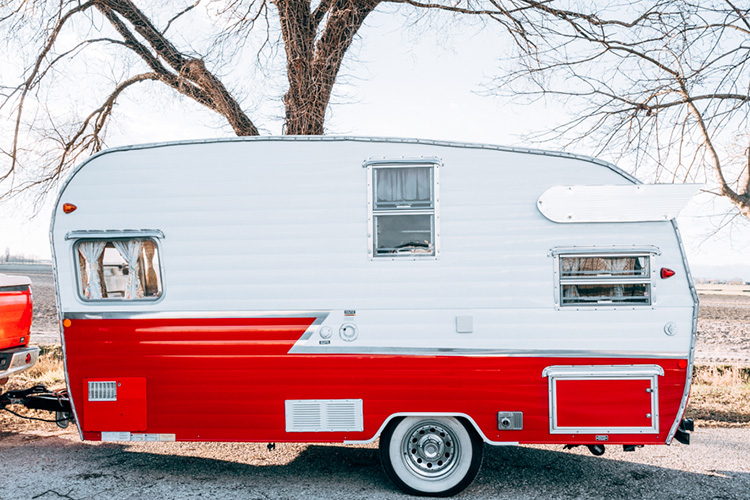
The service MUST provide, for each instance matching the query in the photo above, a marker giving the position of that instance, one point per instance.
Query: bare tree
(152, 45)
(664, 84)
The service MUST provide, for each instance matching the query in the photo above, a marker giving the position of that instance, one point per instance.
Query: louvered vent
(327, 415)
(102, 391)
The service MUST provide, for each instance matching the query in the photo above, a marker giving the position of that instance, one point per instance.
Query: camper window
(605, 280)
(124, 269)
(403, 210)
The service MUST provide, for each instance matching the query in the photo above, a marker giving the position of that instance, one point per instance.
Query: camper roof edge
(335, 138)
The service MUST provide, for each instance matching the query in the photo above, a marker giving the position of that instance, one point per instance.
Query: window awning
(615, 203)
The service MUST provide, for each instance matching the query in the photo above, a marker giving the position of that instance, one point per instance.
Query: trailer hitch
(39, 397)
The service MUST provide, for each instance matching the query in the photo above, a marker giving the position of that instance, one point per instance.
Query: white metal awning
(615, 203)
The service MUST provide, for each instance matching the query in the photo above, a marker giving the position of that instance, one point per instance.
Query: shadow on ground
(61, 468)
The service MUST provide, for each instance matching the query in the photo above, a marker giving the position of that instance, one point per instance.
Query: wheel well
(394, 418)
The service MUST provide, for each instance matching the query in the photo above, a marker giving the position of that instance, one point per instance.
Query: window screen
(403, 211)
(124, 269)
(605, 280)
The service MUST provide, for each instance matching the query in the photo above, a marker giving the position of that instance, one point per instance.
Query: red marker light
(666, 273)
(28, 359)
(69, 207)
(682, 364)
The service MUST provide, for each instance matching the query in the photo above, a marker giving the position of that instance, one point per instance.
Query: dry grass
(48, 372)
(720, 395)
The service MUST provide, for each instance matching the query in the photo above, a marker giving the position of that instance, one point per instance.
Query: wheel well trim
(431, 414)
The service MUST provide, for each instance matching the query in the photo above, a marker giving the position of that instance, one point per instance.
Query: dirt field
(723, 328)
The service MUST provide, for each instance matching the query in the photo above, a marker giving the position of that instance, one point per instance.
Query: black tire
(434, 456)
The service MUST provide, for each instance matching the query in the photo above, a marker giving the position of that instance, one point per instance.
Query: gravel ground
(57, 465)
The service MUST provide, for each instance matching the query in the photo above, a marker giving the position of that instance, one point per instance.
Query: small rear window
(598, 280)
(121, 269)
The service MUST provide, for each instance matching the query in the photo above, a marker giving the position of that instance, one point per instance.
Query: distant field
(710, 288)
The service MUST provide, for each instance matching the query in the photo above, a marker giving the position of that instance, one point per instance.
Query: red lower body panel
(228, 380)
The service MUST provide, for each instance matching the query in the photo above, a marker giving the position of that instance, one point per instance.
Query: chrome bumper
(16, 360)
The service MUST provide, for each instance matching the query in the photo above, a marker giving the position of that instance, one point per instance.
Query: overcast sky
(398, 83)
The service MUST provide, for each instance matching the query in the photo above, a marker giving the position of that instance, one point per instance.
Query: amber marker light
(66, 323)
(69, 207)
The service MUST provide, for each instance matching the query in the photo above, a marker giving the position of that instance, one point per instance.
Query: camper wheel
(436, 456)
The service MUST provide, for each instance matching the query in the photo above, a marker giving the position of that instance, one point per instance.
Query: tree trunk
(312, 66)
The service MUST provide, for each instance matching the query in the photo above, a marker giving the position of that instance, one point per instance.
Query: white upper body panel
(281, 225)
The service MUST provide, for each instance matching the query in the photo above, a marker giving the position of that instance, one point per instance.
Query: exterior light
(69, 207)
(666, 273)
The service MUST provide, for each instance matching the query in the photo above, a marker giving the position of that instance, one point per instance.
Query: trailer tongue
(40, 398)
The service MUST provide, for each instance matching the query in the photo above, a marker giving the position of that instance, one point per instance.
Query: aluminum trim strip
(632, 372)
(604, 251)
(604, 430)
(114, 233)
(319, 315)
(397, 162)
(433, 414)
(455, 351)
(601, 371)
(691, 353)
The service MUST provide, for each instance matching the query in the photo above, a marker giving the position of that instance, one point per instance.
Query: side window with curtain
(122, 269)
(595, 280)
(403, 210)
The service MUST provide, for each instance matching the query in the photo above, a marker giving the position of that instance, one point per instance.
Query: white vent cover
(326, 415)
(102, 391)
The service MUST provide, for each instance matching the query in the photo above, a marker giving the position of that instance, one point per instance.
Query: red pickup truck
(15, 325)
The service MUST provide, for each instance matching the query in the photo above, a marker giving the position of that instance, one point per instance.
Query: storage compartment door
(604, 399)
(114, 404)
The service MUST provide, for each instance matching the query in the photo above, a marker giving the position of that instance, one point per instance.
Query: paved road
(57, 465)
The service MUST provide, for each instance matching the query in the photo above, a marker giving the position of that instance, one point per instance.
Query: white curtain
(396, 185)
(570, 267)
(91, 251)
(616, 266)
(130, 250)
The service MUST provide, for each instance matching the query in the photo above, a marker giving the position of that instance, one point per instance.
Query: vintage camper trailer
(326, 289)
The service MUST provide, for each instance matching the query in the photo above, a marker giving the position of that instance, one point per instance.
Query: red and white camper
(328, 289)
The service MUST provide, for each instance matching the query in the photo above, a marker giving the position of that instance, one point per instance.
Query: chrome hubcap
(430, 450)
